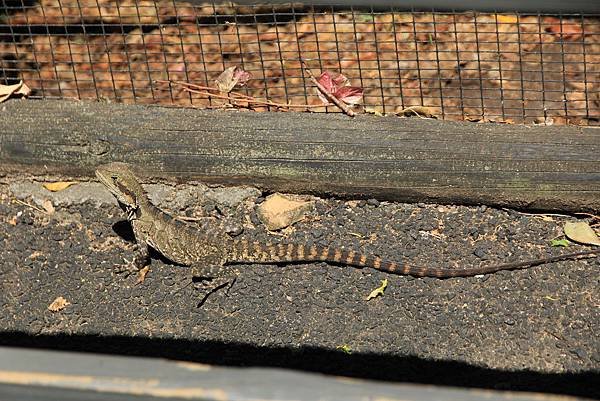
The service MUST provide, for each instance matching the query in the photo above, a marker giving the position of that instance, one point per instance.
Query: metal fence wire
(504, 67)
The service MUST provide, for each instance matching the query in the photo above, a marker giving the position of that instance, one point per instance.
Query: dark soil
(534, 329)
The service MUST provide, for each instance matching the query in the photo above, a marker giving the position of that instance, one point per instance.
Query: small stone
(58, 236)
(208, 208)
(480, 252)
(280, 211)
(581, 353)
(48, 206)
(234, 229)
(373, 202)
(25, 218)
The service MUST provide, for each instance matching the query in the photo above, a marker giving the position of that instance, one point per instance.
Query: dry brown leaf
(581, 232)
(420, 111)
(371, 110)
(543, 121)
(58, 186)
(232, 77)
(7, 91)
(58, 304)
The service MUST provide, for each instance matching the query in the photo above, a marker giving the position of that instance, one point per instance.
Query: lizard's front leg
(140, 263)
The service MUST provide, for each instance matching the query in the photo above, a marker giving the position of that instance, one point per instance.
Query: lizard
(209, 244)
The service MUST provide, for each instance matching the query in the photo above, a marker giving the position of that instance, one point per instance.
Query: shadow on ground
(366, 366)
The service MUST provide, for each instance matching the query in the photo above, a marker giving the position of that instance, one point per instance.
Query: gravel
(534, 329)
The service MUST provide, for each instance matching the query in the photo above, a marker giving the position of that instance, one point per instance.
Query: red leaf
(326, 80)
(340, 80)
(349, 94)
(337, 84)
(242, 76)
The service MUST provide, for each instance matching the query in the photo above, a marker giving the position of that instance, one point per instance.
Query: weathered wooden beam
(545, 167)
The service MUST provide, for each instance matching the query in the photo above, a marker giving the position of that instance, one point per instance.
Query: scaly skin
(208, 243)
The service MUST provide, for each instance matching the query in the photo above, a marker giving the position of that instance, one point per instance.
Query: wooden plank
(550, 168)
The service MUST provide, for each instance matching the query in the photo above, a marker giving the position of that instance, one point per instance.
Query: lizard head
(122, 183)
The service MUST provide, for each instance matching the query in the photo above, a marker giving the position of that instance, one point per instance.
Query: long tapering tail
(256, 252)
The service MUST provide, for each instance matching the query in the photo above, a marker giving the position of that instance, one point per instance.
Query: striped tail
(256, 252)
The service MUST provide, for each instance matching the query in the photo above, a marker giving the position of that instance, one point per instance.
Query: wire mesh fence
(507, 67)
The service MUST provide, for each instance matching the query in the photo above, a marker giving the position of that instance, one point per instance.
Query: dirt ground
(534, 329)
(462, 66)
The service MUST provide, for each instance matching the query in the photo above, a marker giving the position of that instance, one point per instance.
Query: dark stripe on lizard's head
(126, 190)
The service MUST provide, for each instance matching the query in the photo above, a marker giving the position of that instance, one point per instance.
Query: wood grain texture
(389, 158)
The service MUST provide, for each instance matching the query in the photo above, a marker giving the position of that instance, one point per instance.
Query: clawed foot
(129, 268)
(138, 265)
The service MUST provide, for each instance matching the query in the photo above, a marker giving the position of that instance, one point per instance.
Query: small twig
(535, 214)
(592, 216)
(162, 81)
(343, 106)
(236, 96)
(235, 101)
(31, 206)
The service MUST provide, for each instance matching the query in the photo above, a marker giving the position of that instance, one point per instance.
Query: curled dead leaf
(370, 110)
(7, 91)
(58, 304)
(232, 77)
(420, 111)
(379, 290)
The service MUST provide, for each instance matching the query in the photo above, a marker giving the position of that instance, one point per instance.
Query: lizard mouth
(106, 181)
(121, 183)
